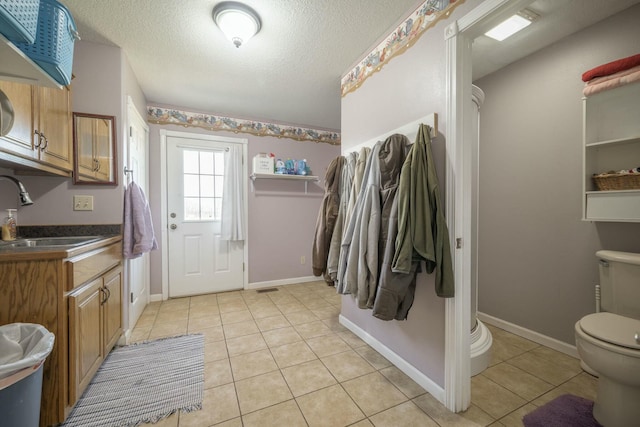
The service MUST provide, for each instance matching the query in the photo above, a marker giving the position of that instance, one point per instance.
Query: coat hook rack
(127, 170)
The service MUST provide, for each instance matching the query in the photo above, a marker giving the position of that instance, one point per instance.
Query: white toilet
(608, 342)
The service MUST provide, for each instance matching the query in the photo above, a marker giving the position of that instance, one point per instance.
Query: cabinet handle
(46, 142)
(94, 165)
(104, 296)
(97, 165)
(108, 293)
(37, 144)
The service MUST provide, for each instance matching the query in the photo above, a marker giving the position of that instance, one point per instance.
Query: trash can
(23, 349)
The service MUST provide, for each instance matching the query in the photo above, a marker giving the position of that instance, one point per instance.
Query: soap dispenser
(9, 226)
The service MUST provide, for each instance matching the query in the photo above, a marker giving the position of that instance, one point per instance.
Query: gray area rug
(143, 383)
(563, 411)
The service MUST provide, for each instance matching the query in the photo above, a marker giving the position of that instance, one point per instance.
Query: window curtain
(233, 196)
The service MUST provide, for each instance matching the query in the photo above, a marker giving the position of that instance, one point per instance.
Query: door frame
(164, 224)
(459, 36)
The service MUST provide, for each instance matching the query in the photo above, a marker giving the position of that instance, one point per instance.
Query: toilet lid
(612, 328)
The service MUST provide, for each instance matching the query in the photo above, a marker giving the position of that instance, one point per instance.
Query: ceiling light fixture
(512, 25)
(237, 21)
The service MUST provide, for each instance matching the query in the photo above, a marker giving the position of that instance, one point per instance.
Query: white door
(199, 261)
(138, 269)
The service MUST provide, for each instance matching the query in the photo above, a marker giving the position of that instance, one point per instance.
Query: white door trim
(459, 36)
(163, 199)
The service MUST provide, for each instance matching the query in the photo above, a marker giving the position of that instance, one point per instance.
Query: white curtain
(233, 196)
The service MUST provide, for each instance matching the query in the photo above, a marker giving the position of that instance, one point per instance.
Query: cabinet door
(84, 139)
(103, 153)
(54, 121)
(20, 139)
(85, 341)
(112, 309)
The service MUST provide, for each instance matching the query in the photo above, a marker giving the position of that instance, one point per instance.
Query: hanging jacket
(327, 217)
(358, 176)
(422, 228)
(346, 185)
(361, 273)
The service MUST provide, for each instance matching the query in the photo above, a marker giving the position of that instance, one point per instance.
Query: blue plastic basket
(53, 47)
(19, 19)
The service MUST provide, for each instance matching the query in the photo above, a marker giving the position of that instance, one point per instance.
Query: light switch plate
(82, 203)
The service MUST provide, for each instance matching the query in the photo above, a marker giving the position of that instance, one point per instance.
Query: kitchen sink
(49, 242)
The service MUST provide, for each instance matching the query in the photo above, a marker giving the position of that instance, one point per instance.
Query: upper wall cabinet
(40, 137)
(94, 142)
(612, 144)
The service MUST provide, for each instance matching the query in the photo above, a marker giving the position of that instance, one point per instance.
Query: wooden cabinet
(77, 295)
(95, 325)
(611, 143)
(41, 135)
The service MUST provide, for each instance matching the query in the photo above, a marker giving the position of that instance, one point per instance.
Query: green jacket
(422, 228)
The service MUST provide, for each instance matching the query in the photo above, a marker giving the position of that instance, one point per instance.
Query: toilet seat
(612, 328)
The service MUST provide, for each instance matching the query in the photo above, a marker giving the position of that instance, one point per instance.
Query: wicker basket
(617, 181)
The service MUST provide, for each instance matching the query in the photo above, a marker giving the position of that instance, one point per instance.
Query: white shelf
(17, 67)
(303, 178)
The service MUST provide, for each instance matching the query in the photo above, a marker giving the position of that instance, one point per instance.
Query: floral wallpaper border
(172, 116)
(423, 18)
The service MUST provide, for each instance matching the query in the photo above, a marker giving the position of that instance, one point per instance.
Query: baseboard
(425, 382)
(155, 297)
(282, 282)
(536, 337)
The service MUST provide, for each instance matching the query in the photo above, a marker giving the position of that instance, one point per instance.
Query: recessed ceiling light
(512, 25)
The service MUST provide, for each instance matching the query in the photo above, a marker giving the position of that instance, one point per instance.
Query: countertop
(9, 253)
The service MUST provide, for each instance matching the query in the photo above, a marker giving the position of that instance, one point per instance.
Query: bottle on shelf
(9, 226)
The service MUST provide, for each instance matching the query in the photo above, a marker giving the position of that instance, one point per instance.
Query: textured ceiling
(290, 72)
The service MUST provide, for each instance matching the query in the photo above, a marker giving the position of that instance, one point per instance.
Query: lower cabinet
(95, 325)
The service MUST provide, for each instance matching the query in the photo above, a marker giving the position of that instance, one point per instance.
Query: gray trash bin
(23, 349)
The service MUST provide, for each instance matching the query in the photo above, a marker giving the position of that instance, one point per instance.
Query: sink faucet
(24, 196)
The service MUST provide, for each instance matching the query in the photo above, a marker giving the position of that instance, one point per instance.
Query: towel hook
(127, 170)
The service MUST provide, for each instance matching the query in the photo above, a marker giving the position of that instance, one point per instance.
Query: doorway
(138, 270)
(198, 260)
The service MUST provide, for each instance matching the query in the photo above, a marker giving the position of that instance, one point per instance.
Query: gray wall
(410, 86)
(281, 218)
(537, 264)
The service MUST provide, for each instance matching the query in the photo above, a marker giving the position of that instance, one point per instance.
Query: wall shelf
(303, 178)
(18, 67)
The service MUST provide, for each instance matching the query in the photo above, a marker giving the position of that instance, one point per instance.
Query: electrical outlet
(82, 203)
(303, 260)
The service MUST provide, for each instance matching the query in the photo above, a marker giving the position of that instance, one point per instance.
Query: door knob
(173, 226)
(173, 215)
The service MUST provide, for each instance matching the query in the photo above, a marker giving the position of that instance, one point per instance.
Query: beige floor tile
(518, 381)
(290, 307)
(239, 329)
(139, 335)
(477, 415)
(209, 300)
(146, 320)
(352, 339)
(312, 329)
(283, 414)
(273, 322)
(373, 393)
(203, 310)
(441, 415)
(176, 317)
(216, 350)
(328, 312)
(492, 398)
(175, 304)
(329, 407)
(347, 365)
(402, 381)
(229, 296)
(406, 414)
(292, 354)
(566, 362)
(245, 344)
(236, 422)
(217, 373)
(278, 337)
(170, 421)
(262, 391)
(211, 334)
(327, 345)
(307, 377)
(377, 360)
(218, 404)
(252, 364)
(514, 419)
(259, 313)
(315, 303)
(204, 322)
(583, 385)
(334, 324)
(167, 330)
(540, 367)
(236, 317)
(300, 317)
(232, 305)
(362, 423)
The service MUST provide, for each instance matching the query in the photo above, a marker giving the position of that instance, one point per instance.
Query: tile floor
(282, 359)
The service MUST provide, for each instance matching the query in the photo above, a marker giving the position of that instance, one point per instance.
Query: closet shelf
(18, 67)
(303, 178)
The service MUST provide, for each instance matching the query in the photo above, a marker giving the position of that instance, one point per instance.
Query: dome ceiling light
(238, 22)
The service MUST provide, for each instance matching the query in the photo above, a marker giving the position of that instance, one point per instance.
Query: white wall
(537, 264)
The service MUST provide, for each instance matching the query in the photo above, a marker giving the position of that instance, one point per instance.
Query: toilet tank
(620, 283)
